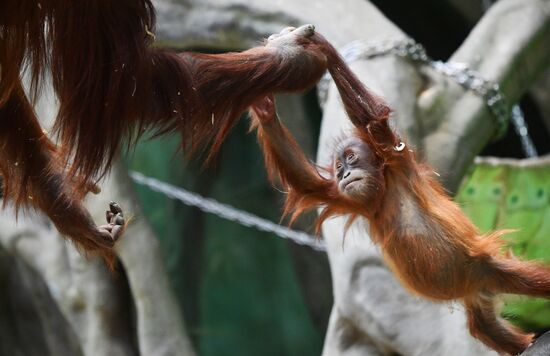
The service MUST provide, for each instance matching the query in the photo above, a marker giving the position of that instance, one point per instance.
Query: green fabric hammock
(514, 194)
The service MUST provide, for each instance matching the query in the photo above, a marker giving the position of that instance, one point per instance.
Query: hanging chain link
(228, 212)
(468, 78)
(518, 121)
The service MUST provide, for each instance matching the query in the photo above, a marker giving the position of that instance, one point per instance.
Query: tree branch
(77, 286)
(508, 46)
(237, 24)
(160, 326)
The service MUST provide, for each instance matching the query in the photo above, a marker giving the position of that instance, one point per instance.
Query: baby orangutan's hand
(264, 110)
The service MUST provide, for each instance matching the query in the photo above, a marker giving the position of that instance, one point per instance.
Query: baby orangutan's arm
(285, 160)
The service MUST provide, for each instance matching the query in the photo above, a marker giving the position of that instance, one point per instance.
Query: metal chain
(228, 212)
(466, 77)
(520, 126)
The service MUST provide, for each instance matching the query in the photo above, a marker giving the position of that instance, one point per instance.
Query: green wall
(237, 286)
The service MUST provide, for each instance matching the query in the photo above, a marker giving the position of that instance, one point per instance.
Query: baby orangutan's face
(355, 174)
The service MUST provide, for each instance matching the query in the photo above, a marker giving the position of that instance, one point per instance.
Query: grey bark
(503, 51)
(90, 301)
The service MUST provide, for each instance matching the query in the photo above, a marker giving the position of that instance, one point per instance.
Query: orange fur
(433, 248)
(112, 85)
(32, 174)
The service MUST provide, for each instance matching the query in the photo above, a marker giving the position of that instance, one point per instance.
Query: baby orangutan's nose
(347, 174)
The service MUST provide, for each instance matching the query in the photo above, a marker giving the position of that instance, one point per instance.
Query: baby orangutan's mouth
(348, 183)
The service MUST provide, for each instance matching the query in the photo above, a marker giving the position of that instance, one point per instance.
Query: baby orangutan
(433, 248)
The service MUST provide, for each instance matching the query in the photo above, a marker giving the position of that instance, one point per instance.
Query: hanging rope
(228, 212)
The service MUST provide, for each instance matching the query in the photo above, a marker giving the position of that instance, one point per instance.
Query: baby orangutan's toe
(115, 221)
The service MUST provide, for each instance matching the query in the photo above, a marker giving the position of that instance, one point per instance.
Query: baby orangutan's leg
(33, 175)
(72, 219)
(511, 275)
(486, 325)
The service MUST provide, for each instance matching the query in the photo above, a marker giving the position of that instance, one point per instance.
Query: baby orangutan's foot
(115, 222)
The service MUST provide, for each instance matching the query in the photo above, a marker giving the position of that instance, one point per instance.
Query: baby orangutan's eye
(351, 157)
(338, 166)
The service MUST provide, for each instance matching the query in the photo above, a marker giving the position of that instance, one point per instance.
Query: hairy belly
(423, 251)
(430, 269)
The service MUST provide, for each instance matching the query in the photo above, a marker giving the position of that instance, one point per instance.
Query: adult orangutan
(427, 241)
(112, 85)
